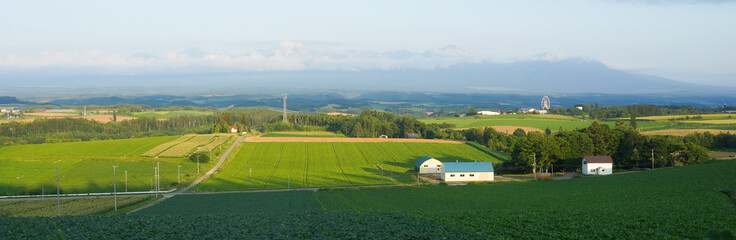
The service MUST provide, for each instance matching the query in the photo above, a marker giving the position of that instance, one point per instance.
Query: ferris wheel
(545, 103)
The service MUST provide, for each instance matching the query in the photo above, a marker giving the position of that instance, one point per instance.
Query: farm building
(597, 165)
(412, 135)
(488, 113)
(234, 129)
(428, 164)
(467, 171)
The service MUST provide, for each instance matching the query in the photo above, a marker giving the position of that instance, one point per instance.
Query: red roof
(233, 127)
(598, 159)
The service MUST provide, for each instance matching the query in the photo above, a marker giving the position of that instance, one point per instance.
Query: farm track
(195, 183)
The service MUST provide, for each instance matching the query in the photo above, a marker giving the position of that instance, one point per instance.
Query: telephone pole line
(58, 199)
(114, 188)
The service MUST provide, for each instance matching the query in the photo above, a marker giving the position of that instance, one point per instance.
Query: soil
(308, 139)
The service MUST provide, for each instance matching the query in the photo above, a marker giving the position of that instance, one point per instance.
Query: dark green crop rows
(304, 225)
(236, 203)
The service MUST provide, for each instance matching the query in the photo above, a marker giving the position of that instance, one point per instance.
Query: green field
(668, 203)
(249, 203)
(675, 202)
(74, 206)
(554, 122)
(303, 134)
(170, 114)
(188, 144)
(124, 148)
(324, 164)
(87, 166)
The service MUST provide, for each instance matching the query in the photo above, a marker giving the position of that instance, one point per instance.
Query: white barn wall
(433, 166)
(477, 176)
(607, 168)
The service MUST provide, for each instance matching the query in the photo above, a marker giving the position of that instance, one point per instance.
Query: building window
(462, 175)
(452, 175)
(472, 175)
(439, 165)
(592, 170)
(426, 165)
(603, 170)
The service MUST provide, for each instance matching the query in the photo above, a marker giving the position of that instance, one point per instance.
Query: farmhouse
(428, 164)
(467, 171)
(597, 165)
(488, 113)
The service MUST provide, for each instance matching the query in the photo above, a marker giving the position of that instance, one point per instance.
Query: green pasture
(554, 122)
(123, 148)
(324, 164)
(690, 117)
(87, 166)
(170, 114)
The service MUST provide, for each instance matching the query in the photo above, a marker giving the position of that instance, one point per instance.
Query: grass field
(303, 134)
(324, 164)
(249, 203)
(684, 132)
(169, 114)
(554, 122)
(69, 207)
(188, 144)
(124, 148)
(87, 166)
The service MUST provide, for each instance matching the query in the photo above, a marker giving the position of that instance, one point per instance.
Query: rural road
(195, 183)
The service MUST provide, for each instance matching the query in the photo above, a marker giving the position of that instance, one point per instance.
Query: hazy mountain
(539, 77)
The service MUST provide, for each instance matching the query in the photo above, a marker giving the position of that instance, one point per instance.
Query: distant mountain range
(572, 76)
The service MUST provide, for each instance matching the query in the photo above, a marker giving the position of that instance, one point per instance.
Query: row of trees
(598, 112)
(566, 148)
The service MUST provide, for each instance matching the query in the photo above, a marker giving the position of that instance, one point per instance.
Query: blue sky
(691, 41)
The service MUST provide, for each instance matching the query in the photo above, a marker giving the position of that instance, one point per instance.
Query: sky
(685, 40)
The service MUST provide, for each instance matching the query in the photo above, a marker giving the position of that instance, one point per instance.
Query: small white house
(234, 129)
(467, 171)
(597, 165)
(428, 164)
(488, 113)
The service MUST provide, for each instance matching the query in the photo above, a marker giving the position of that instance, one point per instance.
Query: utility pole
(250, 178)
(58, 199)
(652, 158)
(285, 119)
(158, 176)
(534, 166)
(115, 188)
(126, 180)
(197, 164)
(155, 171)
(178, 174)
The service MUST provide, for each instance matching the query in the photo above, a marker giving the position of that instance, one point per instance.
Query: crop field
(684, 117)
(188, 144)
(323, 164)
(124, 148)
(238, 203)
(21, 177)
(87, 166)
(303, 134)
(684, 132)
(170, 114)
(69, 206)
(668, 203)
(554, 122)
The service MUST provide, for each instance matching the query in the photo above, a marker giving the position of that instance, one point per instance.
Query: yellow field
(720, 121)
(510, 129)
(684, 132)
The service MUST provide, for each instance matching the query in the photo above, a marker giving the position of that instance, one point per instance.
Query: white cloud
(290, 55)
